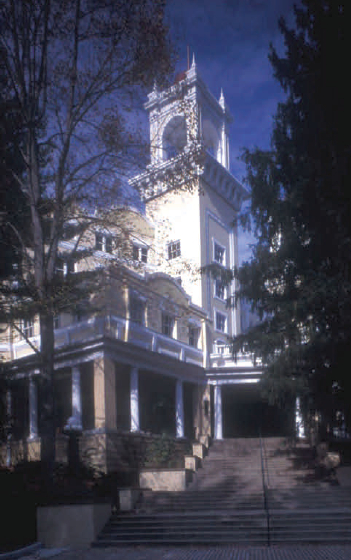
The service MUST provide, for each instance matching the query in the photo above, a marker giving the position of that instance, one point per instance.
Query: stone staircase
(302, 508)
(226, 504)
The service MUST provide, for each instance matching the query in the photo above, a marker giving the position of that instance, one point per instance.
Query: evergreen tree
(299, 277)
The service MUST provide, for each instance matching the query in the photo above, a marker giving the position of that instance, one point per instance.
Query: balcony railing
(222, 356)
(117, 328)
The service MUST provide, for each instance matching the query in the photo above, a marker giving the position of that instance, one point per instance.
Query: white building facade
(156, 357)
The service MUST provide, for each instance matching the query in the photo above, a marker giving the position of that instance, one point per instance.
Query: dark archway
(246, 414)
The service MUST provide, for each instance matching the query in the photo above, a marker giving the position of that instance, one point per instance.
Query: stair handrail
(264, 471)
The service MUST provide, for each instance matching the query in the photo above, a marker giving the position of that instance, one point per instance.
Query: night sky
(230, 39)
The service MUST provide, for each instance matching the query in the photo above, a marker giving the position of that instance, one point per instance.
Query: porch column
(33, 409)
(300, 428)
(218, 421)
(134, 400)
(76, 398)
(105, 394)
(179, 409)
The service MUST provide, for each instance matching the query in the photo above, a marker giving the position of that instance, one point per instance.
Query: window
(57, 322)
(104, 242)
(28, 328)
(135, 253)
(108, 244)
(173, 250)
(219, 254)
(194, 335)
(140, 253)
(219, 289)
(99, 242)
(174, 137)
(167, 324)
(221, 322)
(64, 267)
(143, 254)
(137, 310)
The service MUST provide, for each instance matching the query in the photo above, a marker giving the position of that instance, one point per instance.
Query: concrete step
(181, 541)
(224, 503)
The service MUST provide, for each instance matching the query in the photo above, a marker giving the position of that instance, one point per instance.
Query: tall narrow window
(108, 243)
(173, 250)
(221, 322)
(194, 335)
(219, 289)
(137, 310)
(143, 254)
(167, 324)
(219, 254)
(140, 253)
(28, 328)
(99, 241)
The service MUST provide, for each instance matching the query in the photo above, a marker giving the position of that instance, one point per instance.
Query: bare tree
(75, 68)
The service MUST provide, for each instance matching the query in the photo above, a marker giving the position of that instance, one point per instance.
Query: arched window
(210, 139)
(174, 137)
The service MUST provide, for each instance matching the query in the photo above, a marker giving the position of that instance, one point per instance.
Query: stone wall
(127, 453)
(29, 450)
(123, 453)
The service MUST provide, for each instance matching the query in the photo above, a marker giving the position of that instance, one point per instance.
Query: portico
(113, 389)
(240, 411)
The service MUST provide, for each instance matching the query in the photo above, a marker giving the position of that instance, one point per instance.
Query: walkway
(204, 553)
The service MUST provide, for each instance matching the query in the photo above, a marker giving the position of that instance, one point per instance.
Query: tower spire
(193, 64)
(222, 100)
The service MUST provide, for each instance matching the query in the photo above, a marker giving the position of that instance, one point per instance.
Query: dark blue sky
(230, 39)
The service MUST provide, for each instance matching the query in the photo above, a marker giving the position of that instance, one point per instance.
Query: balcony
(222, 356)
(119, 329)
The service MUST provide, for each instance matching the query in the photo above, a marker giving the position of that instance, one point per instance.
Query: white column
(300, 428)
(76, 400)
(134, 400)
(218, 429)
(33, 408)
(179, 409)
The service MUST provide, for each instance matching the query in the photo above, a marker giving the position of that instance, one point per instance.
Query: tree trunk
(47, 408)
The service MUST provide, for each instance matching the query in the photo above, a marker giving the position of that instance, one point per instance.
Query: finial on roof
(193, 64)
(155, 88)
(221, 99)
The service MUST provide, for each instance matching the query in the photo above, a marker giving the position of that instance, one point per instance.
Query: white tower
(185, 113)
(191, 195)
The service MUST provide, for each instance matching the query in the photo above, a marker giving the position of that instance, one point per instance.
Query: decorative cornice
(154, 182)
(224, 183)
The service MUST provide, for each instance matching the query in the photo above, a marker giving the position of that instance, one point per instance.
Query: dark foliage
(299, 278)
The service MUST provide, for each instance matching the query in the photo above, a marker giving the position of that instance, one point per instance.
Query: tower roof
(189, 84)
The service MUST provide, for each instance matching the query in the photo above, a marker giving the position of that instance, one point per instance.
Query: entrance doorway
(246, 414)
